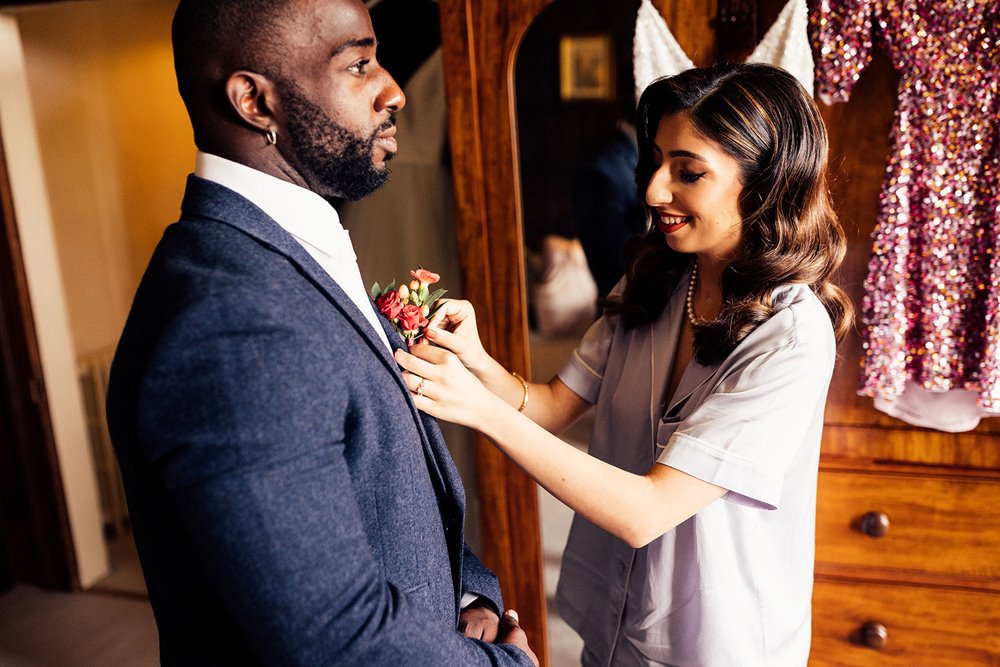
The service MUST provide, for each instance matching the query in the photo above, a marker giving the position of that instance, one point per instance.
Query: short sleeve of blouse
(747, 432)
(584, 371)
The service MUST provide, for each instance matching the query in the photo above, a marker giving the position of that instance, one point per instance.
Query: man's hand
(479, 621)
(511, 633)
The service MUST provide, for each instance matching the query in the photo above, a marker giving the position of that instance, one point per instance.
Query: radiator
(93, 372)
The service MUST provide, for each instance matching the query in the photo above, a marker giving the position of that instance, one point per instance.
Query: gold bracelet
(524, 385)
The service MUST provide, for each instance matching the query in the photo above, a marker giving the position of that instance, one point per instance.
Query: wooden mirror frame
(479, 45)
(480, 40)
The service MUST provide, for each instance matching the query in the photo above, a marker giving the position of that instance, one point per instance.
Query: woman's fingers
(440, 313)
(441, 386)
(452, 313)
(427, 361)
(444, 338)
(431, 354)
(413, 363)
(412, 381)
(418, 385)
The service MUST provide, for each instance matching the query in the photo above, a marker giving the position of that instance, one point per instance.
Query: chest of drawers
(907, 549)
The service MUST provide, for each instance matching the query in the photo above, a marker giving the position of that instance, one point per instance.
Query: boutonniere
(409, 306)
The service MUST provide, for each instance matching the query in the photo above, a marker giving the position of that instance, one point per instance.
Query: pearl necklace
(692, 318)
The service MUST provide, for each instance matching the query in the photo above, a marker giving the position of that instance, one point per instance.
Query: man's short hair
(212, 38)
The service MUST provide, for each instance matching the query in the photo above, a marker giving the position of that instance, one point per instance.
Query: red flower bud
(411, 319)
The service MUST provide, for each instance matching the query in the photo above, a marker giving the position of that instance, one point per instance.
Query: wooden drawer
(938, 525)
(923, 626)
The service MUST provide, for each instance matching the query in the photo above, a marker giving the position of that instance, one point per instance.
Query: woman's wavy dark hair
(762, 117)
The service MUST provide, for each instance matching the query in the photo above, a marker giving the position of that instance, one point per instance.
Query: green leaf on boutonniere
(378, 291)
(436, 295)
(434, 309)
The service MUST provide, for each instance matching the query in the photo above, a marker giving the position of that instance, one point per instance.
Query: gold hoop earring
(272, 137)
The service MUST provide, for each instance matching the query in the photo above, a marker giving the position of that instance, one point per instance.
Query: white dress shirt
(309, 218)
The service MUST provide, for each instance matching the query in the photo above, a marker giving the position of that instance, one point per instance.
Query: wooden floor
(41, 629)
(110, 625)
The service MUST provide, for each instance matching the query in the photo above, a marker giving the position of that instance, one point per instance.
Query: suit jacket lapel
(206, 199)
(210, 200)
(444, 476)
(434, 448)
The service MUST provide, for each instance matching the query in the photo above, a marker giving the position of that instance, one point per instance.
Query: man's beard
(335, 163)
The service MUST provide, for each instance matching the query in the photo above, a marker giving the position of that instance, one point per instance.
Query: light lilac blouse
(732, 585)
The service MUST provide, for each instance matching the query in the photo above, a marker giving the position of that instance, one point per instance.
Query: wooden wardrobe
(908, 538)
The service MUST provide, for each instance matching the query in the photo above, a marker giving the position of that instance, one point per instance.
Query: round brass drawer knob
(874, 635)
(875, 524)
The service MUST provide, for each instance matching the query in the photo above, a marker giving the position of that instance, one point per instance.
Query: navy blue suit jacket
(290, 505)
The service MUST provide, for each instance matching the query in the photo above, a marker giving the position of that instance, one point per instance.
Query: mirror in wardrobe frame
(575, 104)
(481, 42)
(481, 47)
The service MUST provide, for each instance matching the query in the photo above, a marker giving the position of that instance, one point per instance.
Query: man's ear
(252, 96)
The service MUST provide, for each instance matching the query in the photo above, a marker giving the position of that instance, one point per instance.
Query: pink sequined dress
(930, 313)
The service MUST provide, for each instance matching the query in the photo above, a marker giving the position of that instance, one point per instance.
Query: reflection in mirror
(575, 104)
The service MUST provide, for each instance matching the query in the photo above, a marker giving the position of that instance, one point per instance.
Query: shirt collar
(301, 212)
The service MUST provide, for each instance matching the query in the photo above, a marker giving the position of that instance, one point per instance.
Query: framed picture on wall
(586, 71)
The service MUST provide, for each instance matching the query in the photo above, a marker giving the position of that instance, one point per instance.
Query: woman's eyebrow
(687, 154)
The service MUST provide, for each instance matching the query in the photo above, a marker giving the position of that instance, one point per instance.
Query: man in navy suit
(289, 503)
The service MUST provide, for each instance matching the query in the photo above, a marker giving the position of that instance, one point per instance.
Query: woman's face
(694, 192)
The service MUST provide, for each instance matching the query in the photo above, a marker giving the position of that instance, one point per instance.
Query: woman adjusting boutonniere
(694, 536)
(409, 306)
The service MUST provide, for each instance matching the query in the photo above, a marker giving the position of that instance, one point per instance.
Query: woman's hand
(453, 326)
(443, 388)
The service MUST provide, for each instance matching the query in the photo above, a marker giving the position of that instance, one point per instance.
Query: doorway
(111, 147)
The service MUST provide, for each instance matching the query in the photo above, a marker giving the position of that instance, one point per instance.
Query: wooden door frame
(39, 543)
(42, 534)
(480, 39)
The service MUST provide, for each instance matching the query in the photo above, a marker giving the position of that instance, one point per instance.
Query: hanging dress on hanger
(656, 53)
(930, 311)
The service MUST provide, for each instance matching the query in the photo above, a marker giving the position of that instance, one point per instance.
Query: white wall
(98, 147)
(49, 307)
(116, 148)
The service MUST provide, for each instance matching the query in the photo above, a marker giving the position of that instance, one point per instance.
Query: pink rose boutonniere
(409, 306)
